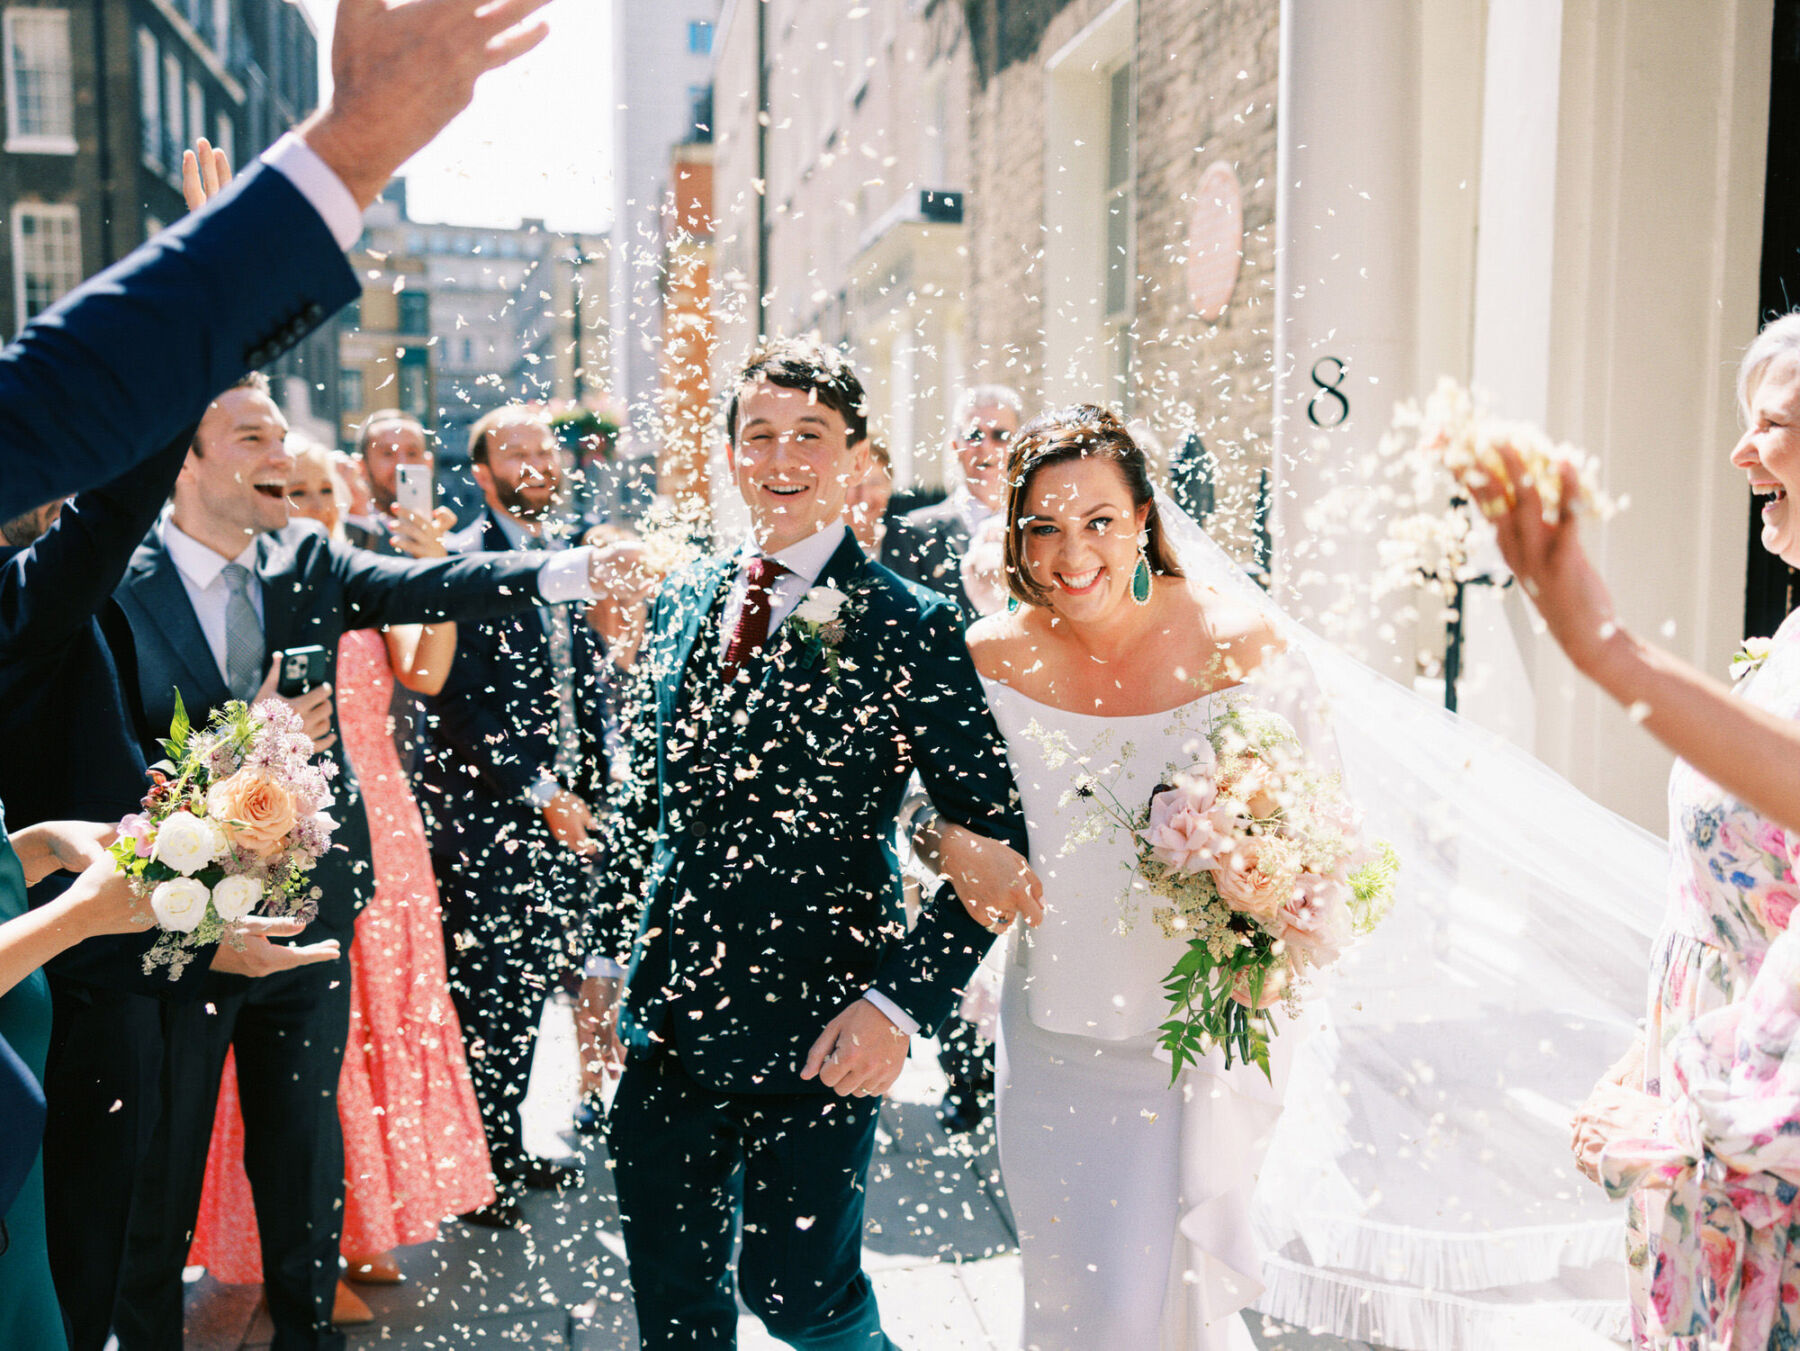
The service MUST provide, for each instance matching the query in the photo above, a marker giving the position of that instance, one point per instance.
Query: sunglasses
(976, 435)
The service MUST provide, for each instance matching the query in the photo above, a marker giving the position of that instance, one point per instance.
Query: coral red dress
(413, 1145)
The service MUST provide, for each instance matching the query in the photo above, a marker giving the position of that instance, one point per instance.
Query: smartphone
(301, 668)
(413, 488)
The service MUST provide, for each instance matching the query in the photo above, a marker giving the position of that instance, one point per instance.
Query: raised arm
(1751, 753)
(123, 362)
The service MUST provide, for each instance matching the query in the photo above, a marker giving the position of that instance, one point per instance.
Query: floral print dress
(1714, 1228)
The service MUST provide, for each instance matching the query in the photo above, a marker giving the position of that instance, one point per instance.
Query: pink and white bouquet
(1261, 861)
(234, 821)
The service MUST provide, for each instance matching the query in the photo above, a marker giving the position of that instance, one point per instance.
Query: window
(350, 389)
(174, 139)
(700, 37)
(221, 26)
(46, 242)
(1118, 193)
(150, 98)
(353, 313)
(225, 137)
(414, 380)
(196, 109)
(415, 312)
(40, 82)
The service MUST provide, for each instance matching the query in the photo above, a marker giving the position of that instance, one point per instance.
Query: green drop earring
(1140, 576)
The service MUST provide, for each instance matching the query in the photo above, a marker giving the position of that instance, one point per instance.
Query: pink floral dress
(1715, 1191)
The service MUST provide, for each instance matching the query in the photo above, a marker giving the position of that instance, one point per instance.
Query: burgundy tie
(753, 620)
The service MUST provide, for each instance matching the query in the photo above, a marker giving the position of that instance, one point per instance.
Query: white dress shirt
(200, 568)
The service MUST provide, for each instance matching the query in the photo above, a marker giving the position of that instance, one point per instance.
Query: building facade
(687, 413)
(662, 54)
(842, 160)
(101, 98)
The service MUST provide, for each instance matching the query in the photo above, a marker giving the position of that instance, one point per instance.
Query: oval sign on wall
(1215, 240)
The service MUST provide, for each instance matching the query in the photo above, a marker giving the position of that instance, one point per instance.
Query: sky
(537, 141)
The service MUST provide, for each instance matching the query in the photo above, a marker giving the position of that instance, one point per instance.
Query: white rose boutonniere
(821, 620)
(1750, 656)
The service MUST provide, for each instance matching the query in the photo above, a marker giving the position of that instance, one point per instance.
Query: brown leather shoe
(381, 1269)
(347, 1308)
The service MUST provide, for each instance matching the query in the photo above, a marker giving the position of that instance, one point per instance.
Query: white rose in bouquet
(186, 843)
(821, 605)
(236, 897)
(180, 904)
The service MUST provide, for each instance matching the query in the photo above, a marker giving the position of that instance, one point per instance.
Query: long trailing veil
(1419, 1191)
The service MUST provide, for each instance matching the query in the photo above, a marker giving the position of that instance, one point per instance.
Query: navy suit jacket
(493, 727)
(115, 370)
(72, 752)
(313, 590)
(927, 546)
(773, 897)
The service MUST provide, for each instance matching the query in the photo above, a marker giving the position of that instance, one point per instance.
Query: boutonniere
(821, 620)
(1750, 656)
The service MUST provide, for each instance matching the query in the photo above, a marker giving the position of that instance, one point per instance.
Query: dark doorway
(1771, 586)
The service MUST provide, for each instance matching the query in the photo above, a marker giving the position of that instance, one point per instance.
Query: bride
(1132, 1195)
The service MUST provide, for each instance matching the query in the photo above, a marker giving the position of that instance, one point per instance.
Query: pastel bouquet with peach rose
(1259, 862)
(234, 821)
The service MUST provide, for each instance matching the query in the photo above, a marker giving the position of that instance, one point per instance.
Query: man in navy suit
(518, 755)
(772, 983)
(223, 585)
(73, 755)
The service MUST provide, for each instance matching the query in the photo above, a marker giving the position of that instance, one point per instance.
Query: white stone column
(1346, 278)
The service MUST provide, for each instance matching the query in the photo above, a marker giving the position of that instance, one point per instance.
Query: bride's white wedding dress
(1132, 1197)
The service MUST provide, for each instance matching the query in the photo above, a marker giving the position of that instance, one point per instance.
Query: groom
(772, 984)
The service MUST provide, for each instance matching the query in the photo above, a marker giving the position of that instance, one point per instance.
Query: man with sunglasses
(928, 545)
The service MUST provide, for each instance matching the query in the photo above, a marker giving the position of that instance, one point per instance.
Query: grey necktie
(243, 635)
(559, 628)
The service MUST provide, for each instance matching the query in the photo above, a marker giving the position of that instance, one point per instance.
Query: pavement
(939, 1245)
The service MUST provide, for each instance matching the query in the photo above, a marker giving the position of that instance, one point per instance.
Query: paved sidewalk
(939, 1245)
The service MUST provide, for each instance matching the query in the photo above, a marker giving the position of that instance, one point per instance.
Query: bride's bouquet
(1261, 862)
(235, 817)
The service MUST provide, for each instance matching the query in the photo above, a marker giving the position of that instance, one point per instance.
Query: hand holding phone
(413, 488)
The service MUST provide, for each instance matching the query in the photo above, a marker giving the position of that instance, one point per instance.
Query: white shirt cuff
(895, 1013)
(597, 967)
(566, 577)
(300, 164)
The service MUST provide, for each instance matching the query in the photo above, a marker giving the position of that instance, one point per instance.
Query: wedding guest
(927, 545)
(102, 1072)
(1699, 1124)
(100, 902)
(517, 765)
(412, 1134)
(122, 363)
(867, 501)
(387, 439)
(220, 586)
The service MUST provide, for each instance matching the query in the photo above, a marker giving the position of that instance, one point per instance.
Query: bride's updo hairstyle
(1080, 431)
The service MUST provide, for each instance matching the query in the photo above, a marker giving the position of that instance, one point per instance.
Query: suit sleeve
(50, 591)
(379, 590)
(962, 760)
(122, 363)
